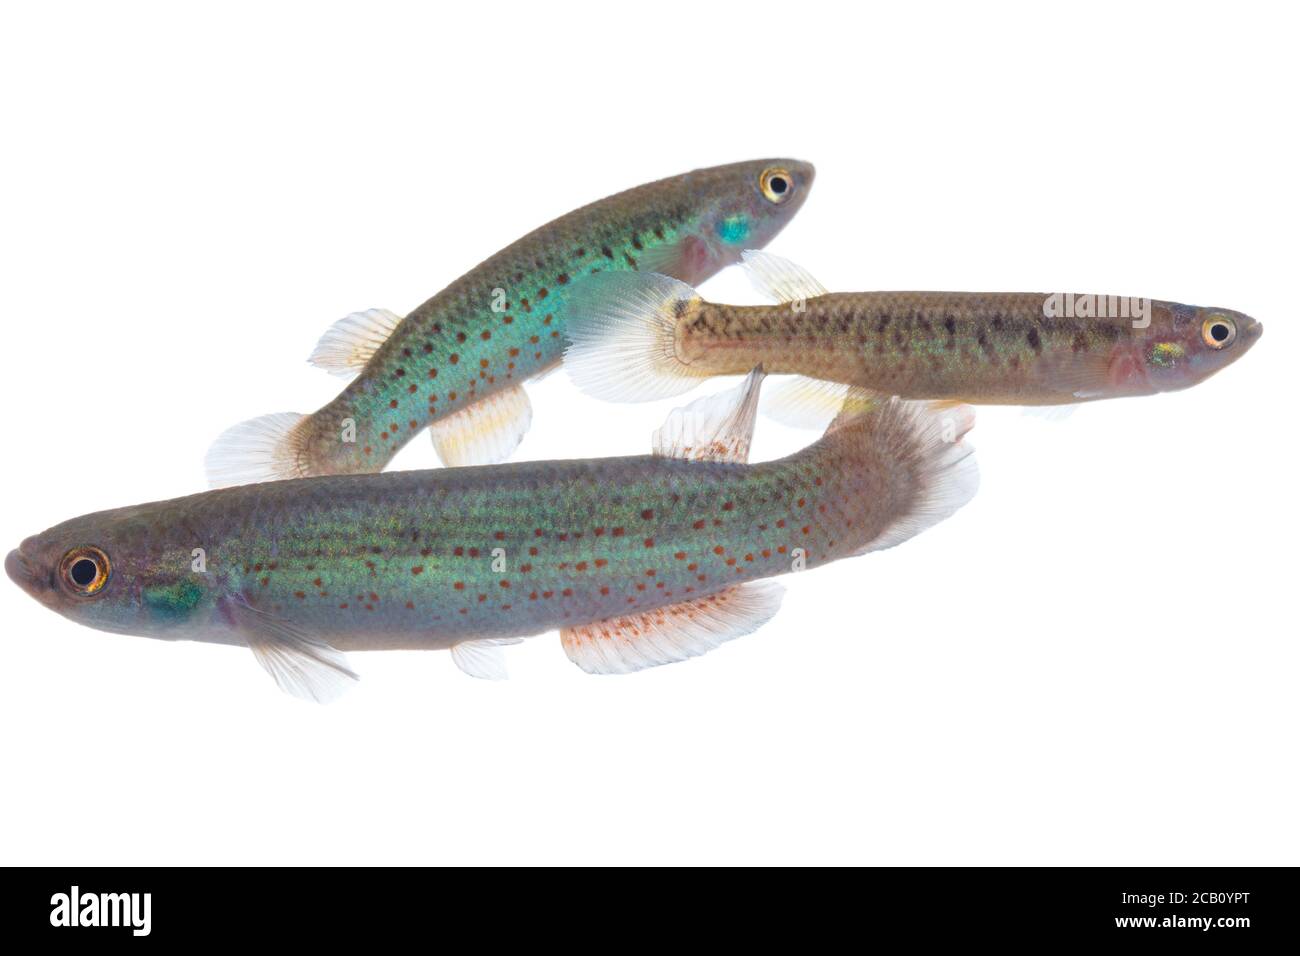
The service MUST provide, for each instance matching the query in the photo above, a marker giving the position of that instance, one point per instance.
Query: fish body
(450, 557)
(457, 362)
(982, 348)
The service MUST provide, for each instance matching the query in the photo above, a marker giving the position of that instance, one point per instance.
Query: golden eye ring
(1218, 331)
(84, 571)
(776, 184)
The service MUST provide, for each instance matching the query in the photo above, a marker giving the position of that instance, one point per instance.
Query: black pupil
(1219, 332)
(778, 184)
(83, 572)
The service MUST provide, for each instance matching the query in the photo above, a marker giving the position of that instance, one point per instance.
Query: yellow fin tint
(486, 432)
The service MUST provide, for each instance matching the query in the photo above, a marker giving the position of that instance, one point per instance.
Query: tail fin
(932, 470)
(622, 332)
(270, 448)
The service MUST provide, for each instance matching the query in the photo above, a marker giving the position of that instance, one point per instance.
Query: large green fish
(638, 561)
(456, 365)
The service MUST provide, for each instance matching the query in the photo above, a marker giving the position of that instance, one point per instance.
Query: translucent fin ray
(299, 664)
(349, 343)
(622, 332)
(483, 659)
(803, 402)
(486, 432)
(677, 632)
(269, 448)
(714, 428)
(780, 279)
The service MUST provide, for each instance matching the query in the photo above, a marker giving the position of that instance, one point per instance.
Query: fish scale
(409, 561)
(456, 362)
(992, 348)
(638, 561)
(637, 337)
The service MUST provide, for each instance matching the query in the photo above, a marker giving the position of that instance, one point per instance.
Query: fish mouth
(25, 574)
(17, 568)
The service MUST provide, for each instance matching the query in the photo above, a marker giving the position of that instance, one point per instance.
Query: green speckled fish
(638, 561)
(457, 363)
(640, 337)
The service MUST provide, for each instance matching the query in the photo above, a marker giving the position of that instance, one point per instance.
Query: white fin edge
(269, 448)
(780, 279)
(621, 645)
(483, 659)
(622, 330)
(485, 432)
(349, 343)
(713, 428)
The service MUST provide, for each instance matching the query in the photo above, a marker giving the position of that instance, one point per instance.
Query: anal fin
(620, 645)
(803, 402)
(486, 432)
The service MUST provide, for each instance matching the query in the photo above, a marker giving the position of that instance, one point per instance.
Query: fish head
(115, 571)
(1186, 344)
(740, 206)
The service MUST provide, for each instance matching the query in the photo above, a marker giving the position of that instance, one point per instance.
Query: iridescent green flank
(503, 322)
(429, 558)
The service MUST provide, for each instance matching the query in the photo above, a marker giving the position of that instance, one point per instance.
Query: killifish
(640, 337)
(457, 363)
(637, 561)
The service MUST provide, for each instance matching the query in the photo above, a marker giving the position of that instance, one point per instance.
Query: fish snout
(26, 574)
(19, 571)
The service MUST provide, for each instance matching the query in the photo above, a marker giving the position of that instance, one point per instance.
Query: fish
(642, 337)
(456, 365)
(637, 561)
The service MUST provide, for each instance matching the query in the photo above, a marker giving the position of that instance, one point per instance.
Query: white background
(1094, 663)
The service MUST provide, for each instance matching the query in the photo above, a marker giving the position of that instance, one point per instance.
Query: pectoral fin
(300, 664)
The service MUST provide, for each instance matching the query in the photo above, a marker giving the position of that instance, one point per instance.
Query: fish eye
(1218, 331)
(84, 571)
(776, 184)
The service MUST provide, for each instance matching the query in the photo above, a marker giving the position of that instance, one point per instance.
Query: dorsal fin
(348, 344)
(780, 279)
(714, 428)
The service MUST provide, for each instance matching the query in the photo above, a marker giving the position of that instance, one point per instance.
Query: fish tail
(269, 448)
(905, 466)
(622, 329)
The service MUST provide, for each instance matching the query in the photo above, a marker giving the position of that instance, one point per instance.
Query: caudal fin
(920, 447)
(270, 448)
(622, 332)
